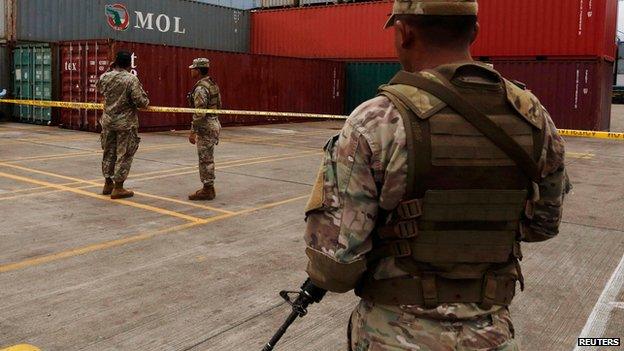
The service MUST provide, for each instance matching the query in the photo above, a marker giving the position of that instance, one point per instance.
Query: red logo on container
(117, 16)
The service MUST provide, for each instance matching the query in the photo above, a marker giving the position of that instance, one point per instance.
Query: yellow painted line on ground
(136, 177)
(133, 239)
(21, 347)
(305, 154)
(90, 248)
(103, 198)
(585, 156)
(124, 202)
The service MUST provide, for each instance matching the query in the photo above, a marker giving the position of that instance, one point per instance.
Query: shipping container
(509, 28)
(247, 82)
(5, 80)
(278, 3)
(3, 20)
(170, 22)
(577, 93)
(620, 50)
(34, 67)
(363, 79)
(236, 4)
(316, 2)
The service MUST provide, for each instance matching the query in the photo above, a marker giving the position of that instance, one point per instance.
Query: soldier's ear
(405, 34)
(476, 33)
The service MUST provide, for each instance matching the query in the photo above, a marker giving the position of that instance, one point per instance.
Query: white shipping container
(620, 80)
(279, 3)
(235, 4)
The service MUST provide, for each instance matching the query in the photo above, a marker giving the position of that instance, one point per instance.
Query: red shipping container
(576, 93)
(247, 82)
(526, 28)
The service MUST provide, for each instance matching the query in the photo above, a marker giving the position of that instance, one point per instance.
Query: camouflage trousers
(207, 138)
(119, 148)
(389, 328)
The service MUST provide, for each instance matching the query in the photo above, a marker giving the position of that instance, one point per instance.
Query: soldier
(423, 198)
(205, 128)
(123, 96)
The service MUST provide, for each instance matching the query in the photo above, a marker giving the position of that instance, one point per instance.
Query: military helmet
(432, 8)
(200, 62)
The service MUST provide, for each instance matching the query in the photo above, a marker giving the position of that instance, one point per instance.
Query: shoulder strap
(475, 117)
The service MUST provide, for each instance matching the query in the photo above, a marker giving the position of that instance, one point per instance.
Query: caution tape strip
(99, 106)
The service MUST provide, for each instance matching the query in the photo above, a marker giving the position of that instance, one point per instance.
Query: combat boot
(120, 193)
(108, 187)
(206, 193)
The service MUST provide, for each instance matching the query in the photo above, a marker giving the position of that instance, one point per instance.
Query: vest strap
(475, 117)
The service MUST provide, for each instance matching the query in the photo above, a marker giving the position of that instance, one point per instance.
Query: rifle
(308, 294)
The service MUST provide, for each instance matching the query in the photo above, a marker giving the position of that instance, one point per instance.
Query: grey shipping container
(169, 22)
(5, 78)
(236, 4)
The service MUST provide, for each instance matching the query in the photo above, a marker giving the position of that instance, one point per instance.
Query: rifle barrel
(281, 331)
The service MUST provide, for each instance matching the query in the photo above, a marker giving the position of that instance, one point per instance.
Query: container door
(71, 83)
(42, 82)
(23, 89)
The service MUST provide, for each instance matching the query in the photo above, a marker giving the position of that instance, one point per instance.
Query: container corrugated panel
(33, 67)
(560, 28)
(3, 21)
(236, 4)
(247, 82)
(577, 93)
(363, 79)
(5, 79)
(316, 2)
(169, 22)
(278, 3)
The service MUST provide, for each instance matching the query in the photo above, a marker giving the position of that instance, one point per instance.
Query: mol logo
(117, 16)
(119, 19)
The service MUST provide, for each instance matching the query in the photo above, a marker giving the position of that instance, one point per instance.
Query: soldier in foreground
(123, 97)
(206, 127)
(423, 199)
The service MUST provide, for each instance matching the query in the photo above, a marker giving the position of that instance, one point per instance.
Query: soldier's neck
(437, 58)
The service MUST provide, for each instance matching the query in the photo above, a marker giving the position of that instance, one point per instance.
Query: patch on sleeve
(317, 198)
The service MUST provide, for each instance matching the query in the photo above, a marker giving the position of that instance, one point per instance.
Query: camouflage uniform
(364, 173)
(123, 96)
(206, 95)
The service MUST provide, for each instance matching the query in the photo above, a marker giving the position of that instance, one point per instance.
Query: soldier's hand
(193, 138)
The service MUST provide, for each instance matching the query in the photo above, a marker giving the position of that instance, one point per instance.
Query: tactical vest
(456, 233)
(214, 97)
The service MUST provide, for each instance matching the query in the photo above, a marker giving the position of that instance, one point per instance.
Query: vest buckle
(410, 209)
(401, 249)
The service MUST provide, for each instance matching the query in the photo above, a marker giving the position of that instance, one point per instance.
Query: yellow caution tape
(591, 134)
(99, 106)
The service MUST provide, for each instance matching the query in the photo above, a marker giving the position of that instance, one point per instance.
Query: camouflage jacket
(123, 96)
(205, 94)
(365, 170)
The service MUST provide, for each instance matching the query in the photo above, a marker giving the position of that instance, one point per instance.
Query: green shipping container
(32, 67)
(363, 79)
